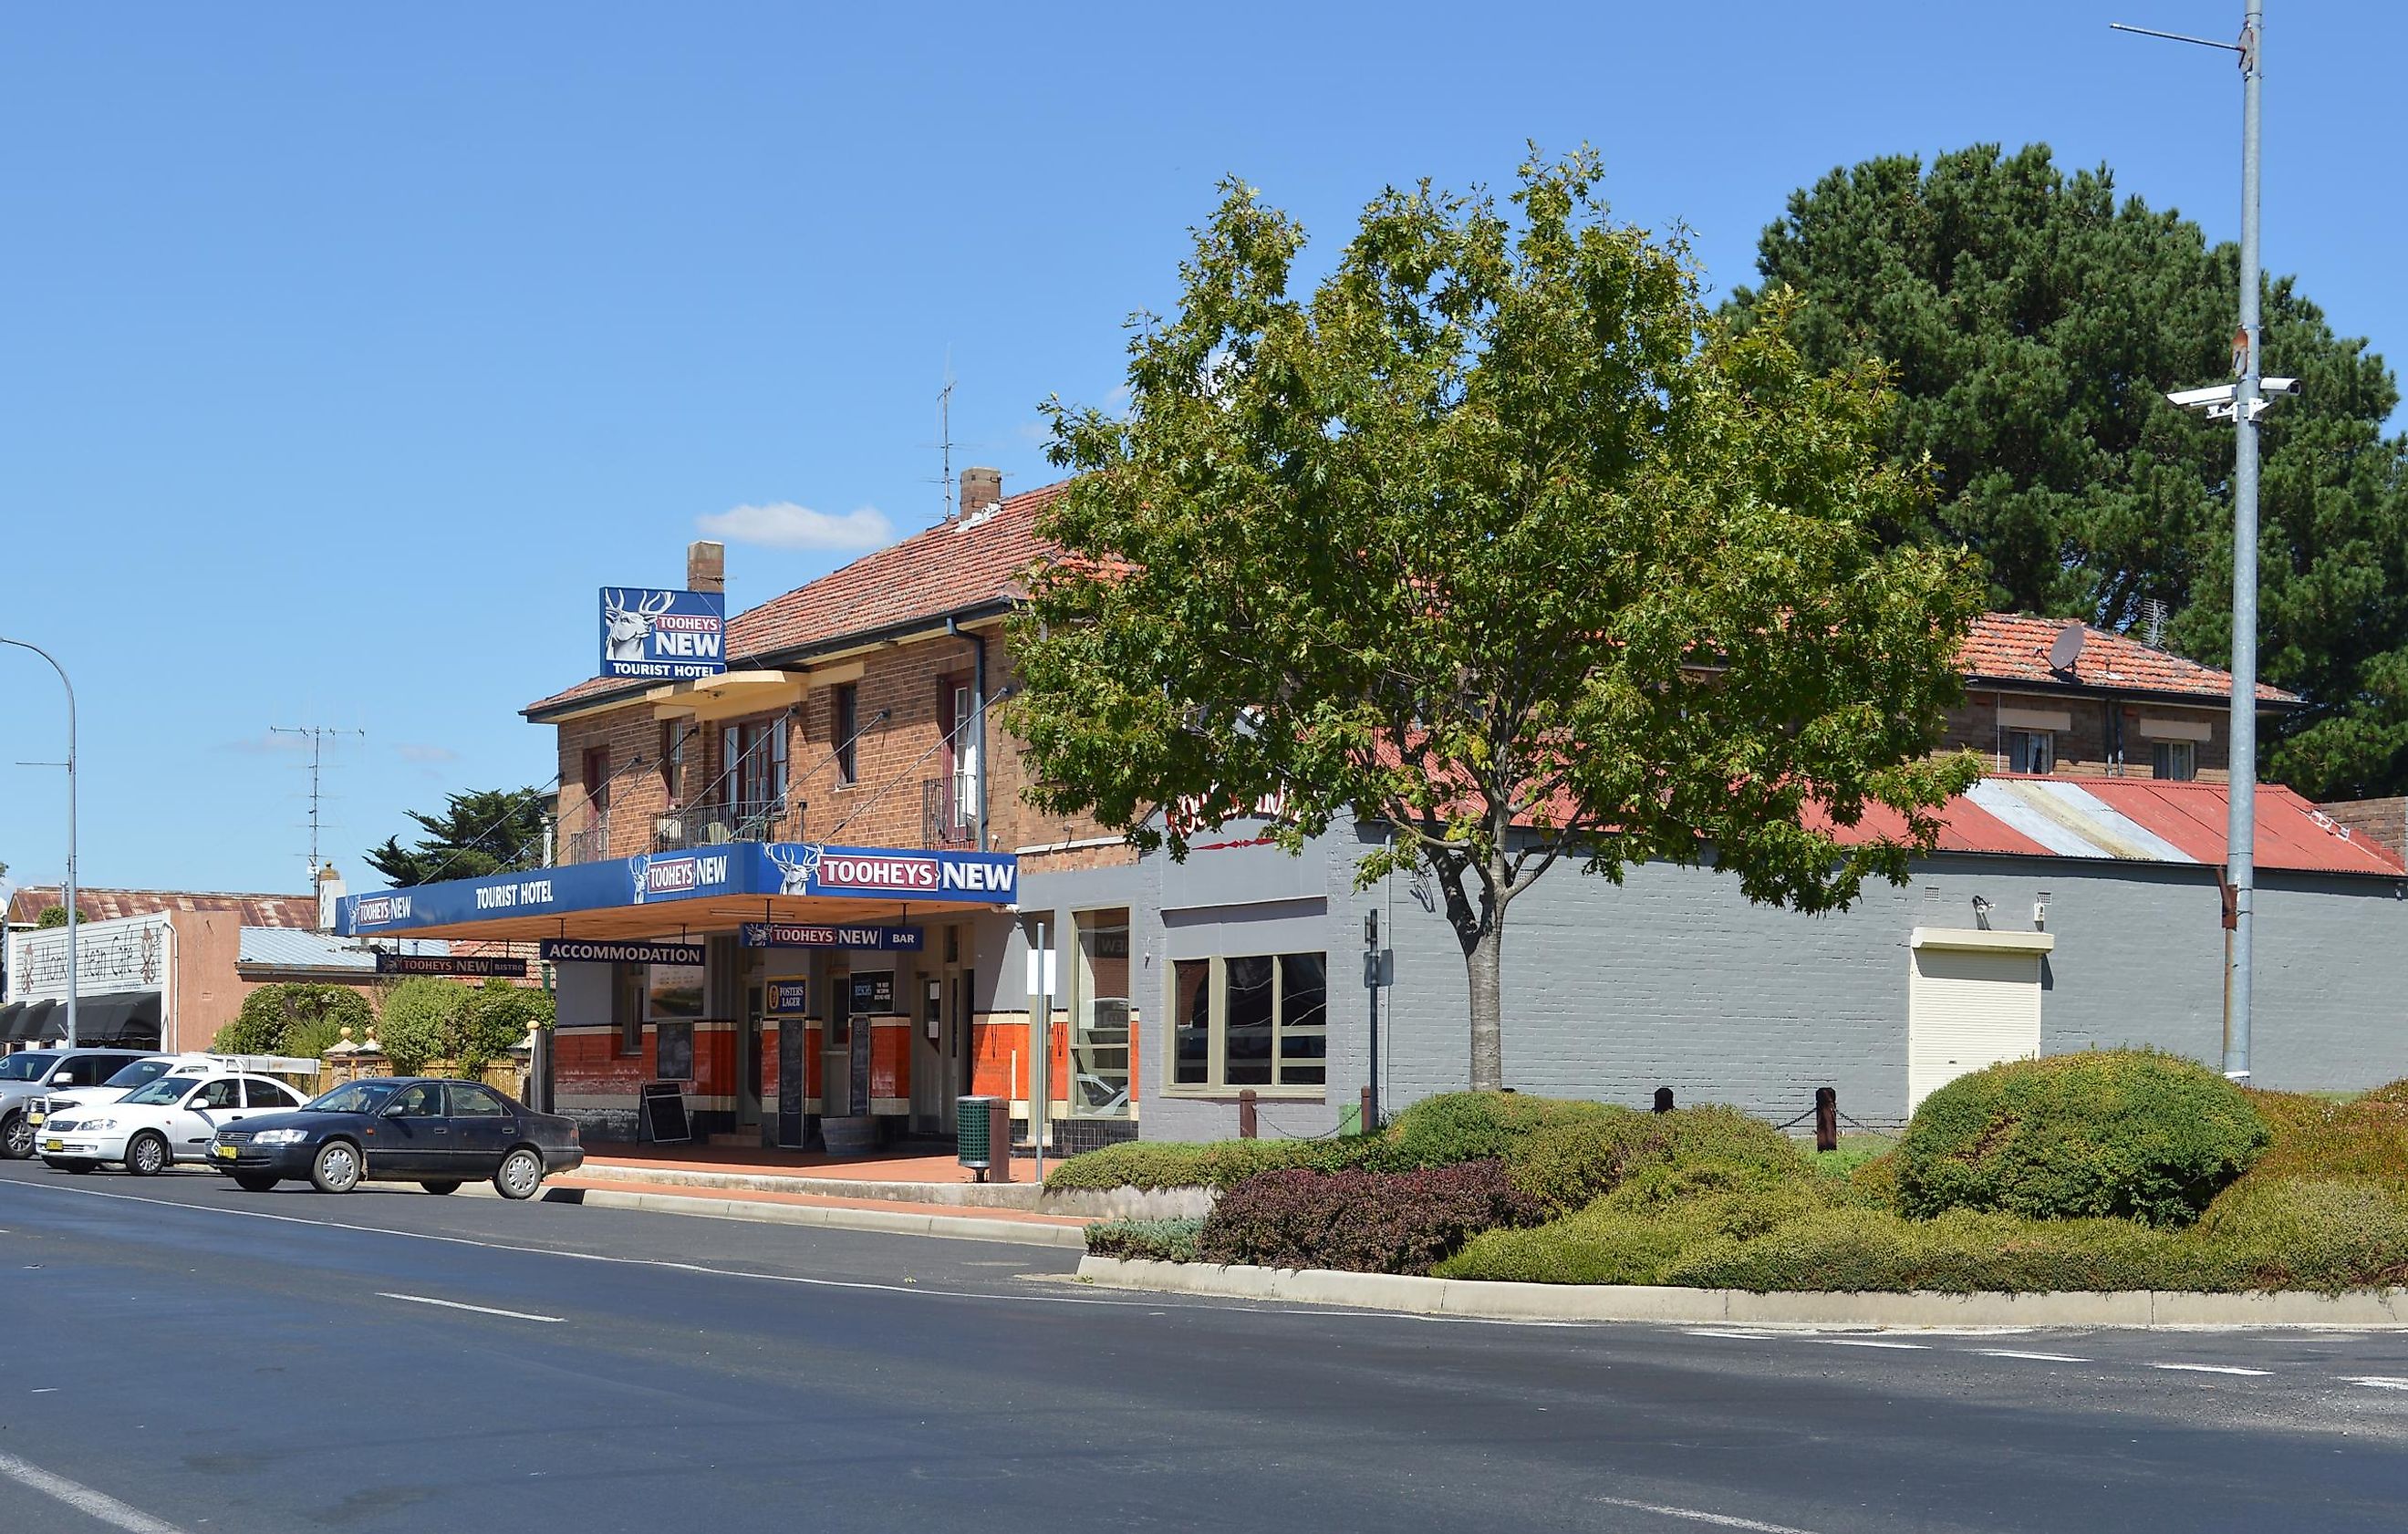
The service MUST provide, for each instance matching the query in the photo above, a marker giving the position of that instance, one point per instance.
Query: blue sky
(348, 351)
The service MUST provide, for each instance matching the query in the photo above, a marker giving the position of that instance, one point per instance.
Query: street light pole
(2244, 399)
(71, 826)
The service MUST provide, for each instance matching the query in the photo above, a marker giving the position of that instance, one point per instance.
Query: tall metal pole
(72, 917)
(2241, 831)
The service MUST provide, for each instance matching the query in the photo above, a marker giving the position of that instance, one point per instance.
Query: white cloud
(783, 525)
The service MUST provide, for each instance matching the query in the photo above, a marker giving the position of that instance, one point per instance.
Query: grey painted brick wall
(1673, 979)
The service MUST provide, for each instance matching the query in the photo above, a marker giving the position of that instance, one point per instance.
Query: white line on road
(1743, 1335)
(1720, 1520)
(2212, 1368)
(2044, 1357)
(2375, 1381)
(455, 1305)
(1871, 1342)
(74, 1494)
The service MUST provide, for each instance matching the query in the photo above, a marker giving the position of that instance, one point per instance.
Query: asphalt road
(179, 1355)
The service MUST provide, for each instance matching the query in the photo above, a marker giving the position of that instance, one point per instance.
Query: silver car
(29, 1075)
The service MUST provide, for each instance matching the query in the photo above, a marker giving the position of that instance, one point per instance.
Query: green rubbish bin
(984, 1125)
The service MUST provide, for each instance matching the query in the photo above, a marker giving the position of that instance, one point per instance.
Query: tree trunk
(1484, 961)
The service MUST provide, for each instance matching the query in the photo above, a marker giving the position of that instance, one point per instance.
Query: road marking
(2212, 1368)
(2044, 1357)
(74, 1494)
(2375, 1381)
(1743, 1335)
(1871, 1342)
(1694, 1516)
(455, 1305)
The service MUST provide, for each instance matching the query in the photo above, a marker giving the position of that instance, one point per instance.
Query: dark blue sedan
(435, 1133)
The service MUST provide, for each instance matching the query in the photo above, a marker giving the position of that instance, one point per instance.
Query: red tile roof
(2014, 646)
(297, 911)
(967, 563)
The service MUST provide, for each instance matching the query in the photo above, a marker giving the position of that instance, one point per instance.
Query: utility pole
(74, 919)
(317, 734)
(2243, 400)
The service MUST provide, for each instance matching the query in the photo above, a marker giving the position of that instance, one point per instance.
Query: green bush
(1850, 1250)
(1874, 1184)
(421, 1021)
(1162, 1240)
(2327, 1234)
(1639, 1230)
(2365, 1138)
(495, 1019)
(1206, 1164)
(294, 1019)
(1458, 1126)
(2129, 1134)
(1576, 1159)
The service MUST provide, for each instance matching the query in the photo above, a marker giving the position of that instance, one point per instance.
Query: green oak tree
(1495, 539)
(479, 832)
(2031, 322)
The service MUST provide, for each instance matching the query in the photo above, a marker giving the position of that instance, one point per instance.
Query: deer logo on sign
(638, 868)
(797, 862)
(626, 630)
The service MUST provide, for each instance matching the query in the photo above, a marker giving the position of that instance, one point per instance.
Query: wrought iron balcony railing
(709, 824)
(945, 814)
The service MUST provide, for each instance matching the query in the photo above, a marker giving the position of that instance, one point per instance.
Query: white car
(141, 1072)
(153, 1126)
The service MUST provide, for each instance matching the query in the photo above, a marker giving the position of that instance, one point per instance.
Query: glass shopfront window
(1257, 1020)
(1101, 1017)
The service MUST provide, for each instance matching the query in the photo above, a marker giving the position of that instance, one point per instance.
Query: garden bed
(2125, 1172)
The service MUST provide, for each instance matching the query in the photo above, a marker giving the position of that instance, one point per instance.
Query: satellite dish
(2068, 648)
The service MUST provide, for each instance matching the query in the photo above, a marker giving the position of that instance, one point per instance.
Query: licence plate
(224, 1153)
(36, 1119)
(54, 1145)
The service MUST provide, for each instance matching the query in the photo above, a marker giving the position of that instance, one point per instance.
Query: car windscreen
(166, 1089)
(32, 1065)
(354, 1097)
(140, 1073)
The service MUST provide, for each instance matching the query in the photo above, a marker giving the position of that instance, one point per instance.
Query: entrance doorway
(835, 1053)
(748, 1052)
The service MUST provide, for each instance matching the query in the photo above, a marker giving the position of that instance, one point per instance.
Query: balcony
(711, 824)
(945, 812)
(590, 845)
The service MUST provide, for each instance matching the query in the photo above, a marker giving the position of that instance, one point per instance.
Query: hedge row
(1362, 1222)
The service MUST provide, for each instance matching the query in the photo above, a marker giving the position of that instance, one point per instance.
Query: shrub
(1634, 1234)
(1201, 1163)
(421, 1021)
(1874, 1184)
(2365, 1140)
(1162, 1240)
(1962, 1251)
(1362, 1222)
(2327, 1234)
(294, 1019)
(1576, 1159)
(495, 1021)
(1459, 1127)
(2128, 1134)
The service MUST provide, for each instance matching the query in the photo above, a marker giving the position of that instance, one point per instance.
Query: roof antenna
(2152, 622)
(945, 434)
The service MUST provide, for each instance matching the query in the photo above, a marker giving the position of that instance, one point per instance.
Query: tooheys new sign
(673, 635)
(739, 868)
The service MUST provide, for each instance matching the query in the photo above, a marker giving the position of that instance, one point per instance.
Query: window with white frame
(2032, 751)
(1256, 1020)
(2176, 761)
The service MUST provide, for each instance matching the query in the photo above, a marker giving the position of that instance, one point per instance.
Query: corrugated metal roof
(292, 911)
(272, 948)
(2140, 820)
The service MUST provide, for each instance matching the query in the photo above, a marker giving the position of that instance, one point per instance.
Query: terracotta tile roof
(295, 913)
(966, 563)
(2014, 647)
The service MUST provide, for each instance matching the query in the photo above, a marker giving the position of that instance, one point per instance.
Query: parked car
(141, 1072)
(34, 1073)
(152, 1127)
(435, 1133)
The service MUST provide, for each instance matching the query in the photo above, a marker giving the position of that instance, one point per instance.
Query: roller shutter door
(1968, 1009)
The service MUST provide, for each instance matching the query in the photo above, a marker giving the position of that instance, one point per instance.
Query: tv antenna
(945, 435)
(317, 734)
(2152, 622)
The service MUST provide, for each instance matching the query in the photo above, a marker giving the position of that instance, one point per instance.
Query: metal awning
(8, 1019)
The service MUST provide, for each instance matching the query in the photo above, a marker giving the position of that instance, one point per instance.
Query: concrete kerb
(1084, 1203)
(963, 1228)
(1487, 1300)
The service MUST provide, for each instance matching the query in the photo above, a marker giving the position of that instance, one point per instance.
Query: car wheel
(16, 1138)
(253, 1182)
(337, 1169)
(146, 1155)
(519, 1174)
(68, 1164)
(443, 1184)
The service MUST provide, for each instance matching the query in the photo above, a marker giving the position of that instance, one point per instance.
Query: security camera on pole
(2241, 402)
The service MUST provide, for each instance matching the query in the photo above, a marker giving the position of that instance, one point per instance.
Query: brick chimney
(981, 488)
(706, 565)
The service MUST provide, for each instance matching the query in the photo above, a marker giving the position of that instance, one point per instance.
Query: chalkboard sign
(662, 1110)
(874, 992)
(673, 1050)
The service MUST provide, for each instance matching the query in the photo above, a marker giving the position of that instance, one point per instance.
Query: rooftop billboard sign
(674, 636)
